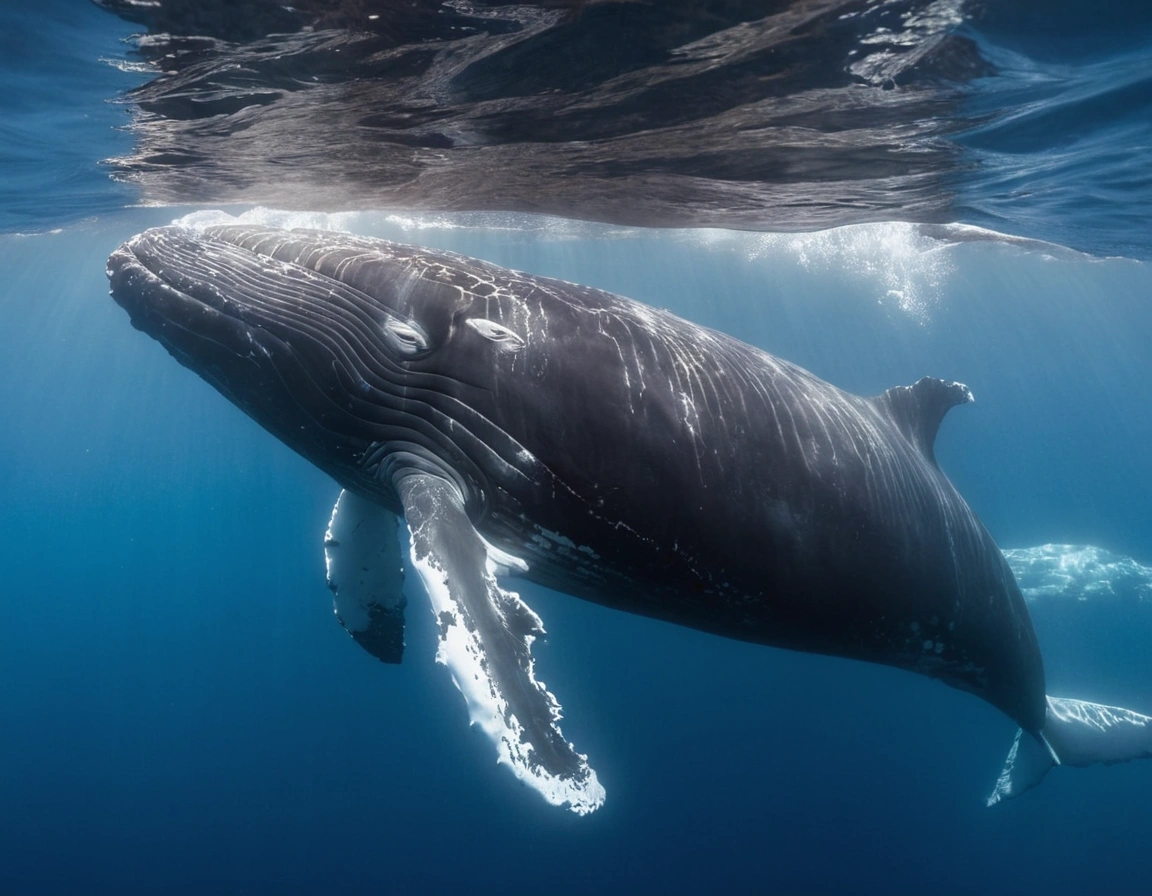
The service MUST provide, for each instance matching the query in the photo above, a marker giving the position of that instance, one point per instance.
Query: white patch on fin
(501, 563)
(485, 638)
(365, 575)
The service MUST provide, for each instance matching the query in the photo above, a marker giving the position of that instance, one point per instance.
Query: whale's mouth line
(165, 295)
(203, 277)
(197, 272)
(184, 288)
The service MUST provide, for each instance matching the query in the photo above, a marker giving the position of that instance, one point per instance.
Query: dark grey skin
(625, 455)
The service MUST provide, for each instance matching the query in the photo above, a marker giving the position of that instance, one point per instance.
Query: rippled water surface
(1029, 118)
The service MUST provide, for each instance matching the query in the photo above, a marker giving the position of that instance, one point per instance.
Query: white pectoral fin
(365, 575)
(486, 637)
(1076, 733)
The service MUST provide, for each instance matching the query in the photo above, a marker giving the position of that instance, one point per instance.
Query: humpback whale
(527, 427)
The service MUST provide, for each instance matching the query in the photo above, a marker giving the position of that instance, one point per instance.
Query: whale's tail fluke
(1076, 733)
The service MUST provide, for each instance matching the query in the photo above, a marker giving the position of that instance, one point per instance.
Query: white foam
(904, 263)
(907, 265)
(373, 222)
(341, 222)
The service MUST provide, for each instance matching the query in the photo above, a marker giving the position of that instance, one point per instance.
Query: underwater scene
(782, 652)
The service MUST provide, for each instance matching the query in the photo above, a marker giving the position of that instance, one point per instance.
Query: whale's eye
(498, 333)
(404, 337)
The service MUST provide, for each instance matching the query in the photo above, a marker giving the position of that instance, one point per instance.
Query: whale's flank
(607, 450)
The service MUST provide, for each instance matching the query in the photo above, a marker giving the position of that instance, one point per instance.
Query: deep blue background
(180, 712)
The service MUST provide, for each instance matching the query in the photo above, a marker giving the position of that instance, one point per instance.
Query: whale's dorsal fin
(918, 409)
(365, 575)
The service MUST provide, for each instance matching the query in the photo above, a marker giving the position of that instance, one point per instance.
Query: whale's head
(365, 356)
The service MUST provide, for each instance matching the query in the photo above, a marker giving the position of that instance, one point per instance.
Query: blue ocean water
(182, 714)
